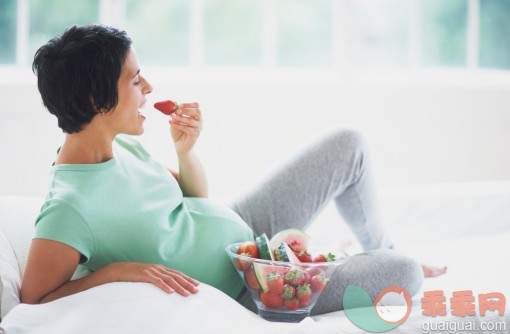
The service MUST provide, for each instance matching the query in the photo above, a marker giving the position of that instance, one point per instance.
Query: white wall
(438, 128)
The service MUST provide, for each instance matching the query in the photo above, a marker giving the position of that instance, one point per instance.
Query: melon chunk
(296, 239)
(262, 270)
(265, 249)
(285, 254)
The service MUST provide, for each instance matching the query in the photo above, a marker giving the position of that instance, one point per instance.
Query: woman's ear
(100, 111)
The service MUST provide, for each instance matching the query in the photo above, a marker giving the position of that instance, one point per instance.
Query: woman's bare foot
(432, 271)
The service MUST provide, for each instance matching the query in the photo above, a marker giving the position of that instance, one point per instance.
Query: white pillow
(10, 278)
(17, 225)
(17, 217)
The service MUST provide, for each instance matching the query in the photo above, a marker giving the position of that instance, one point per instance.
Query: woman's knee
(349, 139)
(412, 269)
(346, 148)
(386, 268)
(407, 272)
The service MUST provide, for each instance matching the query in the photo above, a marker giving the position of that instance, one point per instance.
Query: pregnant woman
(111, 207)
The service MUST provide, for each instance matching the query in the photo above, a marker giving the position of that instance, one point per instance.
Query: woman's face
(132, 88)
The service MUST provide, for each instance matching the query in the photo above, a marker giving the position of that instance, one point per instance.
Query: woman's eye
(137, 83)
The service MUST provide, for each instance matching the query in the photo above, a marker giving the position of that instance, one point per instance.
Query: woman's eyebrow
(137, 72)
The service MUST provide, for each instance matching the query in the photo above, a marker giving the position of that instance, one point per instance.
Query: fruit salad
(281, 273)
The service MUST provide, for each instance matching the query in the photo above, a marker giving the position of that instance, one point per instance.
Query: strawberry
(304, 256)
(318, 283)
(315, 270)
(243, 264)
(295, 246)
(249, 247)
(304, 292)
(275, 283)
(291, 304)
(308, 277)
(288, 292)
(304, 303)
(251, 279)
(270, 300)
(166, 107)
(295, 277)
(324, 258)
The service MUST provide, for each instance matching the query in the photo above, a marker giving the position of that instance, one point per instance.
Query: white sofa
(463, 226)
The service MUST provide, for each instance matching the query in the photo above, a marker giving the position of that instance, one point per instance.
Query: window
(49, 18)
(379, 33)
(233, 32)
(304, 32)
(299, 33)
(444, 27)
(495, 34)
(8, 10)
(160, 30)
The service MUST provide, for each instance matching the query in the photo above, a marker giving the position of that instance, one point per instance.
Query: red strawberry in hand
(166, 107)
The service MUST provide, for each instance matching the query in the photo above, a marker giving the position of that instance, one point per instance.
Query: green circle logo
(388, 311)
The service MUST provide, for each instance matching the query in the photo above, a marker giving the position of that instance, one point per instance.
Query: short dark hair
(77, 73)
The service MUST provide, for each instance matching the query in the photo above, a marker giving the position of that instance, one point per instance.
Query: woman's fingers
(180, 285)
(168, 280)
(186, 120)
(160, 283)
(189, 105)
(189, 110)
(174, 281)
(194, 132)
(186, 277)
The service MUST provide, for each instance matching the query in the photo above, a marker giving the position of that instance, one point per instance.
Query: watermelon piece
(285, 254)
(296, 239)
(265, 250)
(262, 270)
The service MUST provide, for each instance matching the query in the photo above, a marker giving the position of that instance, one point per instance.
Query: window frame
(112, 12)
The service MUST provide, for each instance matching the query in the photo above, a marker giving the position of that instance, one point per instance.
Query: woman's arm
(185, 126)
(191, 176)
(51, 265)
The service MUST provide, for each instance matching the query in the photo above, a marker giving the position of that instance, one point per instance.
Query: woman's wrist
(192, 178)
(184, 155)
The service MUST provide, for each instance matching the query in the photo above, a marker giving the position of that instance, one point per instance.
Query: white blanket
(466, 228)
(143, 308)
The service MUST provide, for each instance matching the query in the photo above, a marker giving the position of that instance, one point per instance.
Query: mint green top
(130, 208)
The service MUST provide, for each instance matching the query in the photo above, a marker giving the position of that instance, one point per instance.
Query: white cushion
(17, 218)
(10, 278)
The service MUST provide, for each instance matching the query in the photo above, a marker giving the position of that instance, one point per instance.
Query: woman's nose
(147, 87)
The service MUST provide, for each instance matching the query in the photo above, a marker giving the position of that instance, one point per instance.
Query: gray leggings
(334, 167)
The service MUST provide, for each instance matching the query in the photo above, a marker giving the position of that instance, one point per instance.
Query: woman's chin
(135, 132)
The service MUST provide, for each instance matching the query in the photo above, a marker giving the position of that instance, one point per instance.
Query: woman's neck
(86, 147)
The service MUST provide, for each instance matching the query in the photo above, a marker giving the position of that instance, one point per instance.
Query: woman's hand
(185, 126)
(166, 279)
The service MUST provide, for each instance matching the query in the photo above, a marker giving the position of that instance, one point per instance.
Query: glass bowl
(302, 284)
